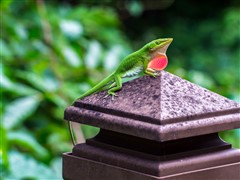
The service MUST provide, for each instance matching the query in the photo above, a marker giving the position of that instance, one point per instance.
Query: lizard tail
(97, 87)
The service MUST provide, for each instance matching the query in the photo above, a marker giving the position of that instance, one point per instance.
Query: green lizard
(134, 64)
(149, 59)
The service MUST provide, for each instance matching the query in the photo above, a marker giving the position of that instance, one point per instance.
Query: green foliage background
(51, 52)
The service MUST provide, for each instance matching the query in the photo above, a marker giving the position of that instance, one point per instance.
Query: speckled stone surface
(181, 99)
(162, 108)
(139, 98)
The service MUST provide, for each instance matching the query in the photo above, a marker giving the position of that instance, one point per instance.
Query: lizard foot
(157, 73)
(152, 72)
(112, 94)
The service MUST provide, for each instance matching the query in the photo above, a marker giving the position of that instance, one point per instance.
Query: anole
(149, 59)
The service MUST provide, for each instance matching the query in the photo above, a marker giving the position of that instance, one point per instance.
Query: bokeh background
(53, 51)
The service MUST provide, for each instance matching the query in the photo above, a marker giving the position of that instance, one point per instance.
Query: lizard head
(158, 46)
(157, 53)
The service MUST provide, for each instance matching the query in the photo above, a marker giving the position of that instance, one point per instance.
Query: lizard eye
(157, 42)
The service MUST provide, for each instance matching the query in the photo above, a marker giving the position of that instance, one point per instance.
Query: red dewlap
(158, 63)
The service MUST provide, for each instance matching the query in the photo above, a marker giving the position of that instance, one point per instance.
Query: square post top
(163, 108)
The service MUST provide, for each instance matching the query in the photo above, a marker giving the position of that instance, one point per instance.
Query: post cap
(162, 108)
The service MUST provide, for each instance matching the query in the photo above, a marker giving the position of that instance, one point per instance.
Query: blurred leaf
(17, 111)
(57, 143)
(23, 166)
(70, 28)
(89, 131)
(16, 87)
(224, 77)
(26, 140)
(4, 4)
(40, 46)
(93, 55)
(71, 57)
(18, 49)
(56, 165)
(236, 96)
(75, 89)
(135, 7)
(231, 20)
(5, 51)
(43, 83)
(232, 137)
(5, 82)
(3, 149)
(200, 79)
(21, 31)
(112, 58)
(58, 100)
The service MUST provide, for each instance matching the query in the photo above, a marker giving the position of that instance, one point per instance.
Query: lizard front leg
(149, 71)
(118, 81)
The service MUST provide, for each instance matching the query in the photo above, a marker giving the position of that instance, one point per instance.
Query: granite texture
(181, 99)
(162, 108)
(137, 99)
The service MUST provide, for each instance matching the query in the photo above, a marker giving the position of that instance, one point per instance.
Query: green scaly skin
(131, 65)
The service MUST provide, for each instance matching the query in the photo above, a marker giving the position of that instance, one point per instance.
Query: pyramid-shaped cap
(163, 108)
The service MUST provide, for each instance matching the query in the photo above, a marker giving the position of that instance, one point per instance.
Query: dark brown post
(157, 128)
